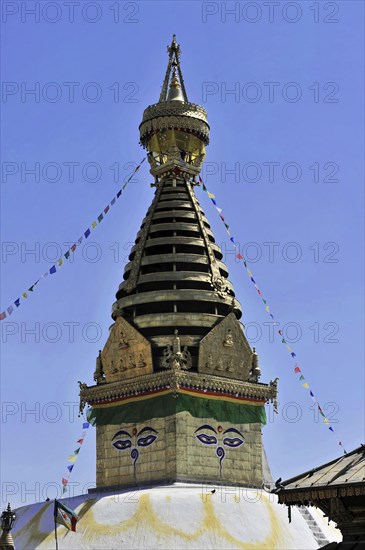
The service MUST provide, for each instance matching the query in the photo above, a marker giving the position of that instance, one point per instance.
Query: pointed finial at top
(177, 81)
(174, 48)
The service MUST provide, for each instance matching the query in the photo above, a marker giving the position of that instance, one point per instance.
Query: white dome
(177, 516)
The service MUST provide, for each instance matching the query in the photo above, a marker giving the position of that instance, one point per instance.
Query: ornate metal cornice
(174, 114)
(174, 108)
(177, 379)
(299, 496)
(174, 168)
(342, 503)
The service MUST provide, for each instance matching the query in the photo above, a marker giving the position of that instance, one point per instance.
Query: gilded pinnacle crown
(174, 130)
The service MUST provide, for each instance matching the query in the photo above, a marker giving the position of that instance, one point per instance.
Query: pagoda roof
(346, 471)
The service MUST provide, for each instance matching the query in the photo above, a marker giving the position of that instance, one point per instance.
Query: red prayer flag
(65, 516)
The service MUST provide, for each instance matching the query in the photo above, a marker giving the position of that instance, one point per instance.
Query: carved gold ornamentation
(228, 340)
(168, 115)
(230, 367)
(175, 358)
(113, 368)
(126, 353)
(123, 343)
(209, 364)
(141, 361)
(220, 366)
(175, 379)
(227, 343)
(193, 125)
(173, 108)
(255, 371)
(173, 153)
(220, 285)
(99, 375)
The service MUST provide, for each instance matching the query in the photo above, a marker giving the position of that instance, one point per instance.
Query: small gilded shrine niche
(173, 357)
(126, 354)
(224, 351)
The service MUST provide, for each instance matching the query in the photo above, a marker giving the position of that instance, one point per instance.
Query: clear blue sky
(319, 137)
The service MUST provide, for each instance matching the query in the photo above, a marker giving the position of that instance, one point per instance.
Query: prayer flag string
(59, 263)
(73, 457)
(297, 367)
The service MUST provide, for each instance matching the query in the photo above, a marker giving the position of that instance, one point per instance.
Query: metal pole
(55, 534)
(55, 525)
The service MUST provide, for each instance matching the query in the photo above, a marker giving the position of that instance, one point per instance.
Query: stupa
(177, 399)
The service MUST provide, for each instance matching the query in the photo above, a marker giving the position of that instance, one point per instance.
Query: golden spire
(177, 87)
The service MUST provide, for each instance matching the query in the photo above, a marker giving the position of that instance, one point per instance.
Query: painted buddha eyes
(211, 439)
(126, 442)
(233, 441)
(207, 439)
(122, 444)
(146, 441)
(230, 438)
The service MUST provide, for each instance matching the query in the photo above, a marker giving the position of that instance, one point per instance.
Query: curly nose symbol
(220, 454)
(134, 457)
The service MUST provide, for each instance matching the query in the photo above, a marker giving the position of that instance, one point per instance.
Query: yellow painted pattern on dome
(146, 515)
(31, 531)
(23, 511)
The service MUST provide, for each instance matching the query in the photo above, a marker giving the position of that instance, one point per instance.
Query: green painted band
(166, 405)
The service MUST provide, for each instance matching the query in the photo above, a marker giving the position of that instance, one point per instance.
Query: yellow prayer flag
(72, 458)
(60, 262)
(306, 385)
(211, 196)
(93, 225)
(326, 421)
(267, 308)
(25, 295)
